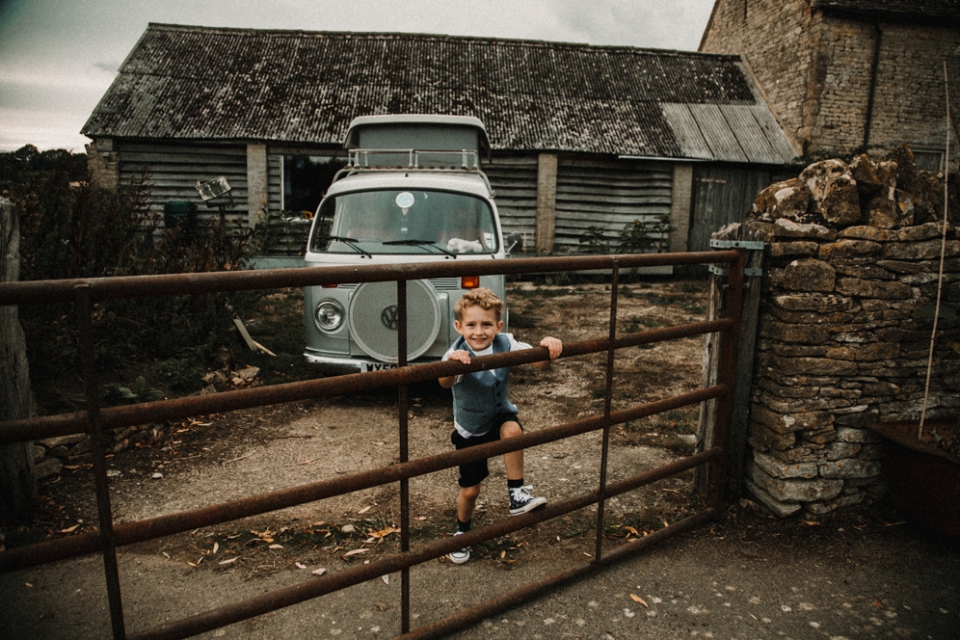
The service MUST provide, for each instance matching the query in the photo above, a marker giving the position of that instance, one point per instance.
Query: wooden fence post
(749, 314)
(18, 487)
(546, 203)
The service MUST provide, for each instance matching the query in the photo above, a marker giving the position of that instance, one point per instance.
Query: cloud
(677, 24)
(109, 67)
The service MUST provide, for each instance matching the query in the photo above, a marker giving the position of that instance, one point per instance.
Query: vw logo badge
(389, 317)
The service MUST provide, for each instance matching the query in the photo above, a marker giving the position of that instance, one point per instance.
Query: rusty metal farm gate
(94, 420)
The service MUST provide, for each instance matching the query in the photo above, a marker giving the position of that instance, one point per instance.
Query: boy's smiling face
(478, 326)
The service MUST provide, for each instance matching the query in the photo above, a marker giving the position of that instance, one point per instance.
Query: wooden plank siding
(172, 169)
(514, 182)
(607, 196)
(721, 195)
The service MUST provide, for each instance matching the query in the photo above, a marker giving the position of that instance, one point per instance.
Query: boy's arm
(555, 347)
(460, 356)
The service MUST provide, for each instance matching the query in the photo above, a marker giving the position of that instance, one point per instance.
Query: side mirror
(514, 240)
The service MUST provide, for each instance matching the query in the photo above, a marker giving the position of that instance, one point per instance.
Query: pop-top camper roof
(432, 132)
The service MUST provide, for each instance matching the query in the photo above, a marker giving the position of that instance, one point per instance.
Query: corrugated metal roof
(185, 82)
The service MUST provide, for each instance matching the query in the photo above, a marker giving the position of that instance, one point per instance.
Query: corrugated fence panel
(596, 201)
(172, 171)
(514, 181)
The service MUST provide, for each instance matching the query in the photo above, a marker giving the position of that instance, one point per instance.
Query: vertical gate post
(108, 545)
(607, 405)
(721, 304)
(403, 405)
(749, 318)
(726, 375)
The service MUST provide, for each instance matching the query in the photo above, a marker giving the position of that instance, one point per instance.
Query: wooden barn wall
(721, 195)
(605, 196)
(172, 171)
(514, 182)
(274, 181)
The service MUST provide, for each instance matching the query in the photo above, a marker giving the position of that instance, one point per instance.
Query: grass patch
(635, 324)
(693, 286)
(695, 308)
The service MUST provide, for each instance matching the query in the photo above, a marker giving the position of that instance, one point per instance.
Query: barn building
(585, 140)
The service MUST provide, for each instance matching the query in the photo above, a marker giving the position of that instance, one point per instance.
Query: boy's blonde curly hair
(483, 298)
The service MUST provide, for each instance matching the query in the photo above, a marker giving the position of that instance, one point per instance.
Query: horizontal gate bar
(169, 410)
(47, 291)
(133, 532)
(98, 289)
(229, 614)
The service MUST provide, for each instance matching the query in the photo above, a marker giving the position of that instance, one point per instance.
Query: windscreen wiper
(422, 243)
(350, 242)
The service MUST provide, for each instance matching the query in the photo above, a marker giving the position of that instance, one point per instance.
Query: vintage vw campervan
(412, 192)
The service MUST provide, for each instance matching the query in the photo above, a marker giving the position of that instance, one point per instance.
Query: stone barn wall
(853, 253)
(841, 82)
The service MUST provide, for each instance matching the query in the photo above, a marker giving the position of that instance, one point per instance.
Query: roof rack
(392, 160)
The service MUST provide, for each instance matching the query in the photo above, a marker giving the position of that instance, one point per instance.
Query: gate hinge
(750, 245)
(749, 272)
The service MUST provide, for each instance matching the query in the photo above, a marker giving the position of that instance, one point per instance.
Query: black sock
(514, 484)
(463, 527)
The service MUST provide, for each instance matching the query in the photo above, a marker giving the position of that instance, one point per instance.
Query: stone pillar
(257, 184)
(681, 199)
(546, 202)
(841, 338)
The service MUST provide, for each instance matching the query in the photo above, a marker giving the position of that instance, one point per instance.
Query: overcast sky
(58, 57)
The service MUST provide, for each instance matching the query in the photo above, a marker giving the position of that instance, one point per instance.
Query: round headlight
(329, 315)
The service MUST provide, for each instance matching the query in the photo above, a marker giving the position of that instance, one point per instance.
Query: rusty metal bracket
(749, 245)
(749, 272)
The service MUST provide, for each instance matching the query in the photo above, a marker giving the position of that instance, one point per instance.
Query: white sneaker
(521, 501)
(459, 556)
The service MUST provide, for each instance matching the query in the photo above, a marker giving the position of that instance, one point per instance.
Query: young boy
(482, 412)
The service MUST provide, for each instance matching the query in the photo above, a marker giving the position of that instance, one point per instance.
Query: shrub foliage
(72, 229)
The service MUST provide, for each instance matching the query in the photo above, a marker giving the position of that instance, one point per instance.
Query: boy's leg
(520, 499)
(471, 475)
(466, 501)
(513, 461)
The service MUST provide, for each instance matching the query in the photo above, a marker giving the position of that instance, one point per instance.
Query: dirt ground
(741, 577)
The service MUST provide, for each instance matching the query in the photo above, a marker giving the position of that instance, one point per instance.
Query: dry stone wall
(853, 254)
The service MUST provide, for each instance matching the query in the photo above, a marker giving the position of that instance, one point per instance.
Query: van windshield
(404, 222)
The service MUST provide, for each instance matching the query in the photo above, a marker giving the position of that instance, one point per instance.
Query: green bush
(71, 229)
(183, 373)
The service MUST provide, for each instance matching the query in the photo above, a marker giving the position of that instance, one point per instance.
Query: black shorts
(473, 473)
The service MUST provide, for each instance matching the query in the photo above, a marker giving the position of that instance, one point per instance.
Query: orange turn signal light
(469, 282)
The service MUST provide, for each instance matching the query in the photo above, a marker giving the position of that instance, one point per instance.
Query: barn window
(305, 180)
